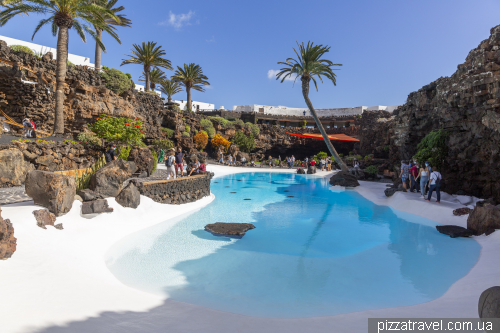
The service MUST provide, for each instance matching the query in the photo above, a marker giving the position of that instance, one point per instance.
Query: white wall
(283, 110)
(75, 59)
(195, 105)
(140, 87)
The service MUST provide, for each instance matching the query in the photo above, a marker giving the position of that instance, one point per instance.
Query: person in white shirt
(435, 185)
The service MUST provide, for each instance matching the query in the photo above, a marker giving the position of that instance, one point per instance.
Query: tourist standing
(413, 178)
(323, 164)
(270, 162)
(27, 126)
(423, 174)
(328, 164)
(243, 160)
(404, 173)
(110, 155)
(179, 159)
(230, 160)
(221, 157)
(307, 161)
(170, 163)
(435, 185)
(293, 160)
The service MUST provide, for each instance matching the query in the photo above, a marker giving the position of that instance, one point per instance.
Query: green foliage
(170, 132)
(211, 132)
(128, 75)
(321, 155)
(433, 148)
(155, 161)
(367, 158)
(83, 181)
(164, 144)
(70, 141)
(245, 143)
(186, 134)
(124, 152)
(208, 127)
(239, 122)
(222, 121)
(115, 129)
(188, 129)
(386, 149)
(341, 155)
(276, 161)
(105, 68)
(359, 157)
(21, 140)
(204, 132)
(274, 122)
(22, 48)
(372, 169)
(70, 64)
(89, 137)
(176, 108)
(303, 123)
(254, 129)
(116, 80)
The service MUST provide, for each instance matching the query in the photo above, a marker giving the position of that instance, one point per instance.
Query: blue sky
(388, 48)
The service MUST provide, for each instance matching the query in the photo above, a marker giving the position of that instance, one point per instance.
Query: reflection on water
(314, 254)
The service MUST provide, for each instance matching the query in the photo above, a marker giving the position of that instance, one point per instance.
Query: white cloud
(211, 40)
(208, 87)
(271, 74)
(179, 20)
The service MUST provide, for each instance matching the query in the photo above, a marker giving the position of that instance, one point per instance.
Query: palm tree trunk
(169, 100)
(98, 49)
(146, 74)
(62, 58)
(188, 90)
(305, 92)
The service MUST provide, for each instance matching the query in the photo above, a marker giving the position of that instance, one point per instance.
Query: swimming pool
(314, 252)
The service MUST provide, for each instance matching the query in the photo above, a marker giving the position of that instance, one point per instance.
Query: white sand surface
(57, 280)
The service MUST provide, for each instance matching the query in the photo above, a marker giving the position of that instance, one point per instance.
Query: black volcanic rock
(236, 230)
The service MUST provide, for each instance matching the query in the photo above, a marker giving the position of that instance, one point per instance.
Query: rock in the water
(96, 207)
(454, 231)
(108, 180)
(51, 190)
(89, 195)
(229, 229)
(301, 171)
(461, 211)
(344, 179)
(44, 217)
(129, 196)
(489, 303)
(143, 159)
(7, 239)
(483, 219)
(311, 169)
(390, 191)
(13, 168)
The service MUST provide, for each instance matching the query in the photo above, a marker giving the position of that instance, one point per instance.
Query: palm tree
(150, 56)
(191, 77)
(156, 76)
(110, 21)
(64, 14)
(307, 66)
(170, 88)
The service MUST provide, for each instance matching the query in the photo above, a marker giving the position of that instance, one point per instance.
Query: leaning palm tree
(150, 56)
(191, 77)
(64, 14)
(307, 66)
(110, 21)
(170, 88)
(156, 76)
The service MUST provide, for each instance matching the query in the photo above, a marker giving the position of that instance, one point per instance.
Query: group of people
(422, 177)
(29, 128)
(175, 163)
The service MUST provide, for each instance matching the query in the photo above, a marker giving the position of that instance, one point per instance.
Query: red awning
(334, 137)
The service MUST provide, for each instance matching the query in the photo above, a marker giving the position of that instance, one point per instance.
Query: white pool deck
(57, 280)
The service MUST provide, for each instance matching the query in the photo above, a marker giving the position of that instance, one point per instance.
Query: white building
(75, 59)
(140, 87)
(283, 110)
(196, 106)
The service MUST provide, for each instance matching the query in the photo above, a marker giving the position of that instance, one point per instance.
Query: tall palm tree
(150, 56)
(110, 21)
(191, 77)
(308, 66)
(64, 14)
(156, 76)
(170, 88)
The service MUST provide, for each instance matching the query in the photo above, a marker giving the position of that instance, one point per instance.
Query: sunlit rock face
(7, 239)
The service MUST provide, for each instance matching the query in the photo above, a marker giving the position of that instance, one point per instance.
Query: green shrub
(254, 129)
(186, 134)
(116, 80)
(115, 129)
(245, 143)
(124, 152)
(176, 108)
(170, 132)
(367, 158)
(83, 180)
(164, 144)
(239, 122)
(128, 75)
(359, 157)
(155, 161)
(204, 132)
(106, 68)
(276, 161)
(188, 129)
(303, 123)
(433, 148)
(70, 64)
(222, 121)
(22, 48)
(208, 127)
(321, 155)
(89, 137)
(372, 169)
(211, 132)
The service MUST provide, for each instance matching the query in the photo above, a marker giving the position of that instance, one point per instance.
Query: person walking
(423, 174)
(322, 164)
(435, 185)
(404, 173)
(413, 177)
(170, 164)
(179, 165)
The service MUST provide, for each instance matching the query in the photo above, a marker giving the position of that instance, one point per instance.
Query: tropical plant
(164, 144)
(82, 180)
(201, 140)
(170, 132)
(307, 67)
(125, 130)
(218, 140)
(124, 152)
(116, 80)
(111, 22)
(371, 169)
(188, 128)
(321, 155)
(303, 123)
(186, 134)
(21, 48)
(245, 143)
(63, 15)
(254, 129)
(239, 122)
(191, 77)
(150, 57)
(156, 76)
(170, 88)
(155, 161)
(433, 148)
(221, 121)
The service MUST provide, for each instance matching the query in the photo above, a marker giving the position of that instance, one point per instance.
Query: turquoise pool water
(314, 252)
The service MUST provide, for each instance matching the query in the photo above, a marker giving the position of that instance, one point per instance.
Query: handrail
(11, 121)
